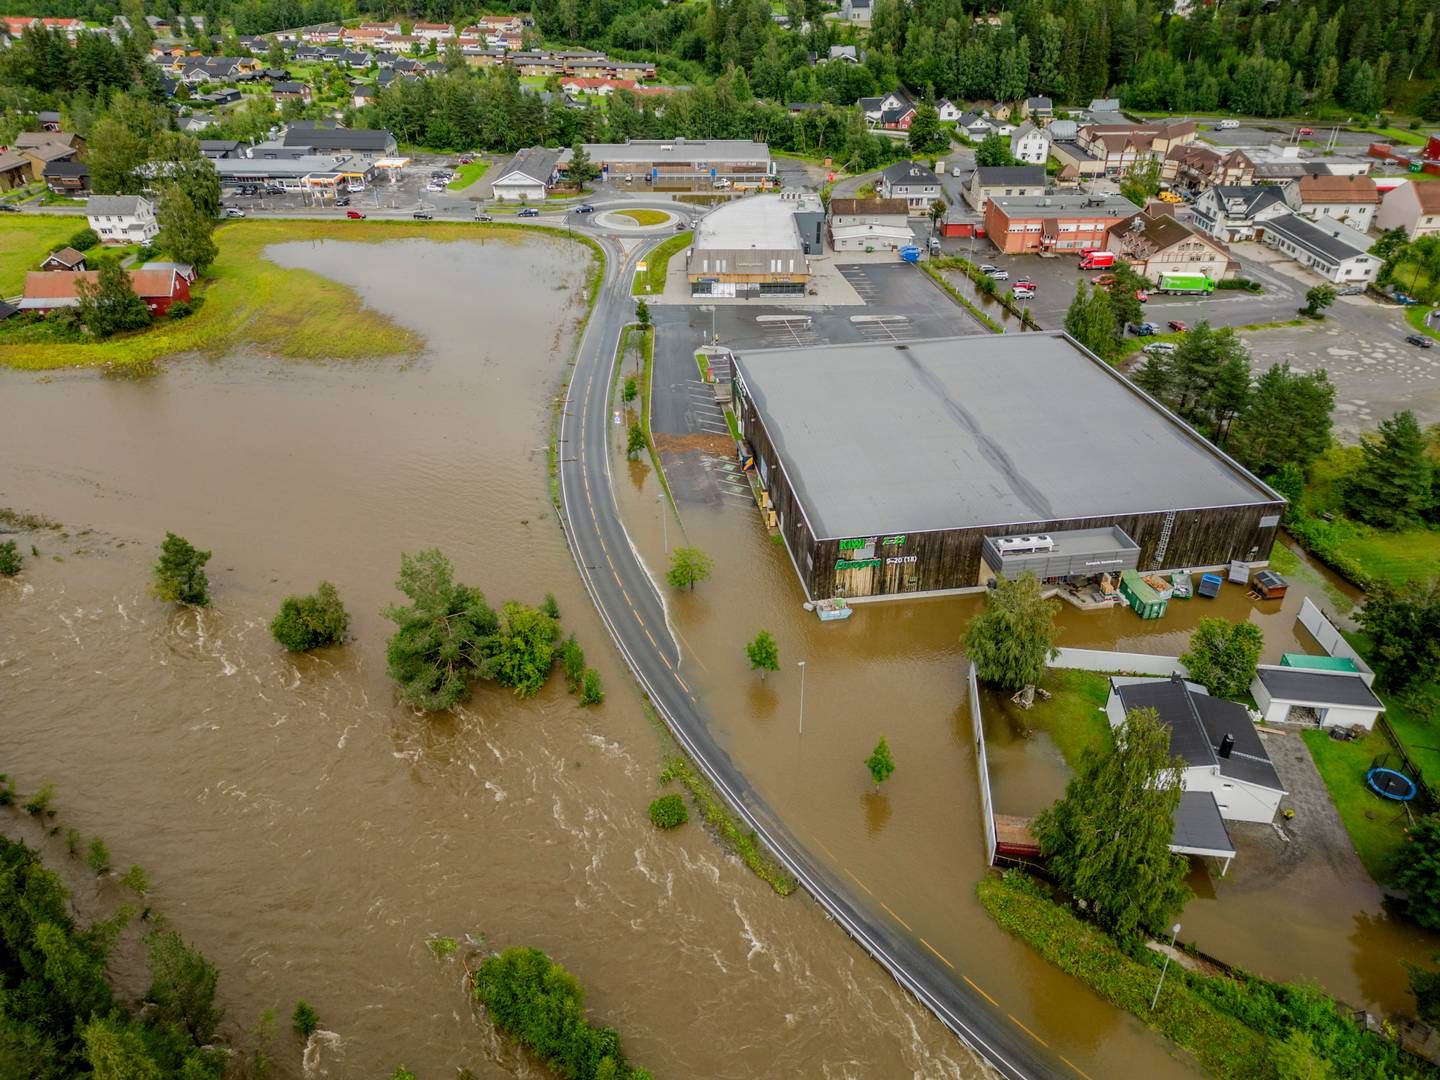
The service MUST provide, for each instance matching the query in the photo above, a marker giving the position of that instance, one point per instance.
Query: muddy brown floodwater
(301, 828)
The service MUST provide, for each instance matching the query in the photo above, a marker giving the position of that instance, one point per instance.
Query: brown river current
(309, 834)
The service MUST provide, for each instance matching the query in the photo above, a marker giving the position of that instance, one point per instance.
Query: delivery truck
(1193, 284)
(1096, 259)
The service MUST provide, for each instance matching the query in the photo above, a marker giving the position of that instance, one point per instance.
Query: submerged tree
(1013, 639)
(1107, 842)
(1419, 873)
(437, 650)
(308, 622)
(178, 577)
(1222, 655)
(880, 763)
(182, 985)
(10, 559)
(687, 566)
(521, 652)
(763, 653)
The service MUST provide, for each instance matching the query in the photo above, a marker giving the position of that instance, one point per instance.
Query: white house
(1336, 252)
(856, 224)
(913, 182)
(122, 219)
(1350, 200)
(1412, 207)
(1029, 144)
(1223, 754)
(856, 11)
(1231, 213)
(1326, 698)
(948, 110)
(527, 176)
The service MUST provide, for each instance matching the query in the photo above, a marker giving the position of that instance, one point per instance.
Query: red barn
(47, 292)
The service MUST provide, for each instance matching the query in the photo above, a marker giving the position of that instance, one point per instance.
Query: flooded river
(301, 828)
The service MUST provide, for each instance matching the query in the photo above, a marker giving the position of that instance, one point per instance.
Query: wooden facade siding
(949, 559)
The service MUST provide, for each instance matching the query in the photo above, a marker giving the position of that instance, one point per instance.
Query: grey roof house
(528, 176)
(913, 182)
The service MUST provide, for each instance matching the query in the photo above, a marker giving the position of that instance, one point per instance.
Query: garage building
(888, 466)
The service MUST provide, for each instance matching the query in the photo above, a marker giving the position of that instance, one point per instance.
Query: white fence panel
(1330, 638)
(987, 807)
(1105, 660)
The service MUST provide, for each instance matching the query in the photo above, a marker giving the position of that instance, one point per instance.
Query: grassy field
(1415, 316)
(294, 314)
(1369, 819)
(1286, 562)
(1395, 557)
(645, 217)
(1406, 138)
(1074, 717)
(657, 263)
(1412, 280)
(26, 240)
(466, 175)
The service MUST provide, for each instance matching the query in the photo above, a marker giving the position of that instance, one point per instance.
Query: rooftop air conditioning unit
(1020, 545)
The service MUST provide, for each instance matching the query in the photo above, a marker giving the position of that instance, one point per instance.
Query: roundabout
(639, 220)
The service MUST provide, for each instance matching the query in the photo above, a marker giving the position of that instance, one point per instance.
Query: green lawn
(24, 243)
(1411, 279)
(1408, 138)
(644, 217)
(1074, 717)
(657, 263)
(1415, 316)
(466, 175)
(1395, 557)
(1370, 820)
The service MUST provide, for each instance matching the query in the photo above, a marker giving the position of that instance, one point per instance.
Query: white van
(1227, 125)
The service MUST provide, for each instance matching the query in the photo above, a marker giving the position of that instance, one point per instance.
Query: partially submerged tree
(521, 652)
(1223, 655)
(10, 559)
(687, 566)
(178, 577)
(437, 650)
(182, 985)
(763, 653)
(635, 441)
(1013, 639)
(309, 622)
(1107, 842)
(880, 763)
(108, 305)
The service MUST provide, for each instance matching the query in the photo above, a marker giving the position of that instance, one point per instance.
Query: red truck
(1096, 259)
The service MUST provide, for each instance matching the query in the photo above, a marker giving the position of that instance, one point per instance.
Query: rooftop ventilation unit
(1021, 545)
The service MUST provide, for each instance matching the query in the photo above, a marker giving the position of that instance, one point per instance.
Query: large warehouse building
(756, 246)
(933, 466)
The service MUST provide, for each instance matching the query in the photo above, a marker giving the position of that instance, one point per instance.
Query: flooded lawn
(302, 829)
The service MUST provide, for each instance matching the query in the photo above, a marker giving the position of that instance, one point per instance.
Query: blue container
(910, 253)
(1210, 586)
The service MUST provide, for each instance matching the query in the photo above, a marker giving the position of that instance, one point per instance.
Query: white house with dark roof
(1233, 213)
(526, 177)
(856, 11)
(1336, 252)
(948, 111)
(913, 182)
(1323, 697)
(1216, 739)
(1029, 144)
(1037, 108)
(122, 219)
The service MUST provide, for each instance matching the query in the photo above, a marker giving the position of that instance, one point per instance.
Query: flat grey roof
(762, 222)
(1309, 687)
(1328, 242)
(1199, 828)
(694, 151)
(981, 431)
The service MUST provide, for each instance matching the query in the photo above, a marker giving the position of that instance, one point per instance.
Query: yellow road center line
(860, 883)
(1077, 1068)
(647, 633)
(938, 953)
(1027, 1031)
(897, 918)
(822, 845)
(974, 986)
(677, 678)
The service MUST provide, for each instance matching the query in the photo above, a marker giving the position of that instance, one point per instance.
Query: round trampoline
(1389, 784)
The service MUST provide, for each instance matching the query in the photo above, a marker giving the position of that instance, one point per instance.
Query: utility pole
(1174, 933)
(664, 525)
(801, 665)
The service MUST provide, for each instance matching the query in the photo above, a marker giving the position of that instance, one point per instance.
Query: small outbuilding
(1307, 695)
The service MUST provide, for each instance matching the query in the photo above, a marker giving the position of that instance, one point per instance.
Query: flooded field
(304, 831)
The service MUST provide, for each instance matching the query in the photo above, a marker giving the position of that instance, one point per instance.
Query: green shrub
(181, 309)
(308, 622)
(668, 812)
(442, 946)
(632, 389)
(146, 254)
(550, 606)
(98, 856)
(39, 803)
(7, 791)
(1245, 284)
(84, 240)
(304, 1020)
(179, 574)
(590, 692)
(10, 559)
(572, 662)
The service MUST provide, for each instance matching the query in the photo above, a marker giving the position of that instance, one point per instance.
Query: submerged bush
(668, 812)
(308, 622)
(9, 559)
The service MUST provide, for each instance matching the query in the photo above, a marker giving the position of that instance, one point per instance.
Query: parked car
(1160, 347)
(233, 211)
(986, 268)
(483, 217)
(1142, 296)
(423, 215)
(274, 189)
(1178, 326)
(342, 200)
(9, 208)
(955, 171)
(1144, 329)
(1418, 341)
(585, 208)
(355, 215)
(467, 160)
(529, 211)
(248, 189)
(1024, 294)
(1351, 290)
(1103, 279)
(1227, 125)
(1026, 283)
(1304, 131)
(998, 275)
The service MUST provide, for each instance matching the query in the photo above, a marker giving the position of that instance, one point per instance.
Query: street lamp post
(801, 665)
(1174, 933)
(664, 525)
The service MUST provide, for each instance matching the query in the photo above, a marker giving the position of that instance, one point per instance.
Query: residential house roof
(844, 52)
(1429, 196)
(1317, 687)
(1245, 201)
(13, 159)
(975, 120)
(50, 289)
(1323, 236)
(115, 205)
(1010, 176)
(66, 168)
(1198, 826)
(1104, 105)
(27, 139)
(909, 174)
(67, 257)
(1027, 128)
(535, 163)
(289, 88)
(1358, 190)
(1198, 725)
(185, 270)
(1039, 104)
(897, 207)
(1062, 129)
(6, 310)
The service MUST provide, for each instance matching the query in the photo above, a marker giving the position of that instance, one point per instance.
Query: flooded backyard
(302, 829)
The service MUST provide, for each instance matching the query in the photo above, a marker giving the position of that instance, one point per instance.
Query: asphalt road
(634, 612)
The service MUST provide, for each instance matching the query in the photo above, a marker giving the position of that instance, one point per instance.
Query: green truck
(1186, 283)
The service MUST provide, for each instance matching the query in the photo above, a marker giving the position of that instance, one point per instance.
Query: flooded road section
(304, 831)
(915, 847)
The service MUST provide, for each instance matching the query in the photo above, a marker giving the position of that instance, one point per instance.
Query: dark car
(529, 211)
(274, 189)
(483, 217)
(585, 209)
(1418, 341)
(423, 215)
(1143, 329)
(1178, 326)
(342, 200)
(9, 209)
(355, 215)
